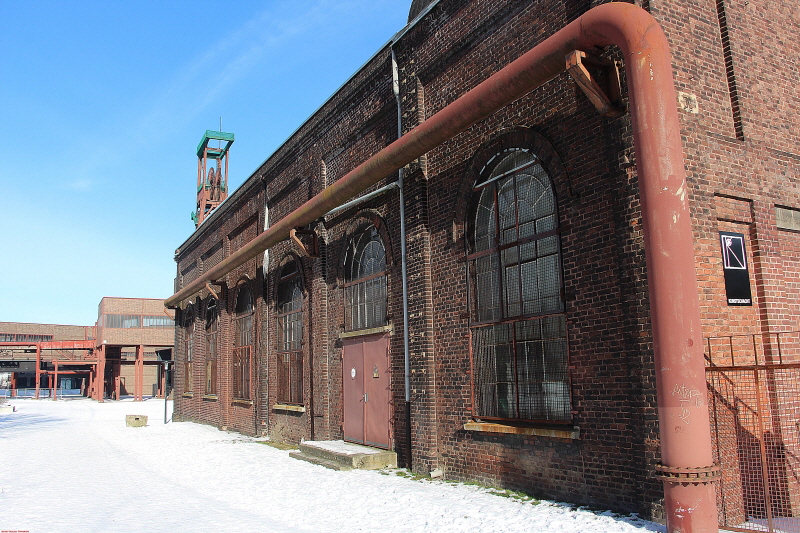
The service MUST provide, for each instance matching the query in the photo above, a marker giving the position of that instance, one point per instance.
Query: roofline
(45, 324)
(127, 298)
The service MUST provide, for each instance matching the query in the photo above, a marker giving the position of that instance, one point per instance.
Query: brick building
(531, 358)
(127, 346)
(18, 359)
(130, 333)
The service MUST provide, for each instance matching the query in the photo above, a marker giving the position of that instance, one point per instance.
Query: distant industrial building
(125, 353)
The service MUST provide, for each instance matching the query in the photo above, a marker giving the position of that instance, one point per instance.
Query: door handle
(366, 397)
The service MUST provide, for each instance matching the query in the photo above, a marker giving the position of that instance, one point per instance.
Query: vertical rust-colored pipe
(116, 371)
(138, 372)
(684, 426)
(680, 375)
(100, 379)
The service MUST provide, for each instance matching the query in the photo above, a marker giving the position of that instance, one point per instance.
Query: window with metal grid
(365, 281)
(23, 337)
(290, 335)
(212, 314)
(243, 344)
(188, 348)
(519, 339)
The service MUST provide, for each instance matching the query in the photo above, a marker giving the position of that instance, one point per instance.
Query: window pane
(494, 379)
(484, 228)
(542, 369)
(506, 202)
(530, 289)
(549, 284)
(486, 289)
(547, 246)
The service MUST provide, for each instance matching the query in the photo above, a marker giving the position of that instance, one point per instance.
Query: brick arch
(243, 281)
(358, 223)
(287, 258)
(485, 156)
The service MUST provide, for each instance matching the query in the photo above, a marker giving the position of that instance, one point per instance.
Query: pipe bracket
(313, 250)
(608, 100)
(213, 293)
(687, 474)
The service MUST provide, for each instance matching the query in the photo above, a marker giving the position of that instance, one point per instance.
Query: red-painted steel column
(116, 371)
(90, 382)
(684, 427)
(139, 374)
(38, 370)
(13, 384)
(100, 379)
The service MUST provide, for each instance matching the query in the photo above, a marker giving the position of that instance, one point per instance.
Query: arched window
(212, 314)
(187, 321)
(519, 341)
(290, 335)
(243, 344)
(365, 281)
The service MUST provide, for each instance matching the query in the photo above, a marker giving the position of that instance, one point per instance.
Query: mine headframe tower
(212, 173)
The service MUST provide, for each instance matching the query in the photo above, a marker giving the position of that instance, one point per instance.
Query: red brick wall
(740, 159)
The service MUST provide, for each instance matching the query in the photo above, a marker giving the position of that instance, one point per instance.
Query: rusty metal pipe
(680, 374)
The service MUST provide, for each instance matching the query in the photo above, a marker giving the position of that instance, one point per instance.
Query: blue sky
(102, 105)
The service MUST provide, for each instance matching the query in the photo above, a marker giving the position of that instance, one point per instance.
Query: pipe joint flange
(686, 475)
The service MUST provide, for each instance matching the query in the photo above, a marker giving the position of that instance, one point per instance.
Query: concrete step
(340, 455)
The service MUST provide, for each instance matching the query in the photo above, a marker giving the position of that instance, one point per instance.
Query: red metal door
(376, 391)
(353, 389)
(366, 388)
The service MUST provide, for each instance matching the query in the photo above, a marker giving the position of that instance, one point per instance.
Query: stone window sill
(243, 403)
(211, 397)
(286, 407)
(567, 432)
(188, 395)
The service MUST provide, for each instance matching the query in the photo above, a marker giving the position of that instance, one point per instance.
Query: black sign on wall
(736, 269)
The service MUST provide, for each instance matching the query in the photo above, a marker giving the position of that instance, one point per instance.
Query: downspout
(403, 269)
(688, 471)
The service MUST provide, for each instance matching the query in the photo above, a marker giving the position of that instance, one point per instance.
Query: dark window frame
(519, 353)
(211, 327)
(365, 285)
(290, 335)
(188, 323)
(243, 344)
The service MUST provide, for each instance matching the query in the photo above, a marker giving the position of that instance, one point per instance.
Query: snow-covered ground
(74, 466)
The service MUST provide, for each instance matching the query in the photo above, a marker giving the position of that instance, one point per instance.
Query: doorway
(367, 390)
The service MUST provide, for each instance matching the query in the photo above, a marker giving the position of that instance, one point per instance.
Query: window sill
(211, 397)
(371, 331)
(573, 432)
(188, 395)
(244, 403)
(286, 407)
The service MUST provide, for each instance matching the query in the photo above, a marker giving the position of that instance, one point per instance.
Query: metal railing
(43, 393)
(754, 391)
